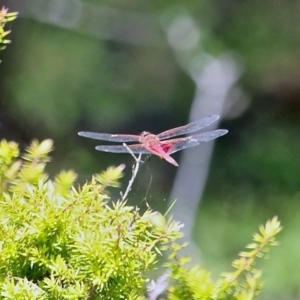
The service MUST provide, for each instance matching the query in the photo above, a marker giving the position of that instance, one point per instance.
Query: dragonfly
(159, 144)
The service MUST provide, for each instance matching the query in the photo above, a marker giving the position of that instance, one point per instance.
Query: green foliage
(58, 241)
(243, 283)
(62, 242)
(5, 17)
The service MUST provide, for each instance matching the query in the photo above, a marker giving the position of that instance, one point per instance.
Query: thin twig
(92, 291)
(135, 212)
(134, 172)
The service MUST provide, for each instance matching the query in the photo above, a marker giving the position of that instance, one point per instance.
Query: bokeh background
(128, 66)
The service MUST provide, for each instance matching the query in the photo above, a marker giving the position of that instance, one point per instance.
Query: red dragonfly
(158, 144)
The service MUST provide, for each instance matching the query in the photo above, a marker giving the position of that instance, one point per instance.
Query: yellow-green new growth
(5, 17)
(62, 242)
(58, 241)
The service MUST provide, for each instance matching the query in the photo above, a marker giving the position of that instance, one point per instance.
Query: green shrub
(5, 17)
(58, 241)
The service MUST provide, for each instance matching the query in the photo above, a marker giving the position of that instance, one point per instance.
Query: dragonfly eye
(146, 134)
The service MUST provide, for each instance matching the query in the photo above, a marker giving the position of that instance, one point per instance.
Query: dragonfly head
(145, 133)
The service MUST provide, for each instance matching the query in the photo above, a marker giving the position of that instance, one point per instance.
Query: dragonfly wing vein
(192, 127)
(136, 149)
(110, 137)
(194, 140)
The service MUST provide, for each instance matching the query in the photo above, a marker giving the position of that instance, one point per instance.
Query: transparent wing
(110, 137)
(136, 149)
(191, 127)
(194, 140)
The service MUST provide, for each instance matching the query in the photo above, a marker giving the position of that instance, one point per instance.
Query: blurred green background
(107, 66)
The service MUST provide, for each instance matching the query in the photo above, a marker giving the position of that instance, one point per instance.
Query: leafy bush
(5, 17)
(58, 241)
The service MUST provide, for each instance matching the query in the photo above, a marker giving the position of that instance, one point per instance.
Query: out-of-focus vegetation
(5, 17)
(58, 79)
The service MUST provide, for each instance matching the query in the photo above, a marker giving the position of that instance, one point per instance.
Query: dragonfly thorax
(148, 137)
